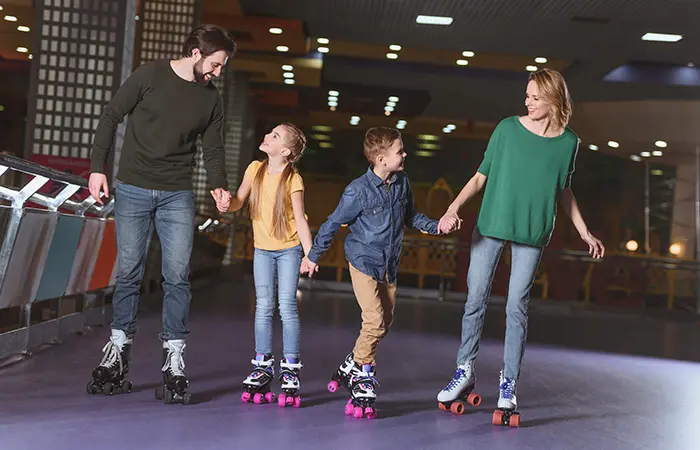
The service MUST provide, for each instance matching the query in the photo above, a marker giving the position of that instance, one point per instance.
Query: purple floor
(569, 398)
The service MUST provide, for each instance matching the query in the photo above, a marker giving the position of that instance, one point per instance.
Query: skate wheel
(297, 402)
(281, 400)
(497, 418)
(370, 413)
(270, 397)
(108, 388)
(474, 399)
(126, 387)
(186, 398)
(457, 408)
(514, 421)
(332, 386)
(442, 407)
(349, 408)
(357, 413)
(246, 397)
(290, 400)
(258, 398)
(91, 388)
(167, 396)
(159, 393)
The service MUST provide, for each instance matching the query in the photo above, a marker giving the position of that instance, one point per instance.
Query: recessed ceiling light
(593, 147)
(531, 68)
(355, 118)
(332, 103)
(388, 108)
(402, 121)
(332, 108)
(324, 128)
(323, 41)
(661, 144)
(662, 37)
(657, 153)
(0, 8)
(282, 48)
(645, 154)
(325, 145)
(393, 99)
(424, 153)
(334, 93)
(656, 172)
(22, 49)
(11, 18)
(468, 54)
(428, 137)
(23, 28)
(434, 20)
(288, 74)
(287, 67)
(540, 60)
(332, 98)
(400, 126)
(392, 55)
(429, 146)
(395, 48)
(320, 137)
(289, 81)
(276, 30)
(613, 144)
(635, 158)
(31, 56)
(447, 130)
(451, 125)
(323, 49)
(462, 62)
(2, 108)
(387, 113)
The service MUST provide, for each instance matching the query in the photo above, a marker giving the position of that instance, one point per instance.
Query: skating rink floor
(590, 380)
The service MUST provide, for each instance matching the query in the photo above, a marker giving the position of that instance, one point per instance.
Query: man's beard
(199, 75)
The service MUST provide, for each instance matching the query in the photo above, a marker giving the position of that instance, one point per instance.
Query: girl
(529, 163)
(280, 230)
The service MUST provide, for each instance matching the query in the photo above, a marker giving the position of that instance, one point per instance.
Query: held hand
(222, 198)
(449, 223)
(595, 247)
(97, 182)
(308, 267)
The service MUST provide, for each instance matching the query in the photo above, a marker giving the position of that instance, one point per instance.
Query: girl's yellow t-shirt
(262, 226)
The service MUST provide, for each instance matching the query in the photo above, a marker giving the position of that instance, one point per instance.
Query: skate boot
(458, 392)
(108, 377)
(507, 403)
(257, 384)
(290, 384)
(363, 387)
(175, 383)
(344, 374)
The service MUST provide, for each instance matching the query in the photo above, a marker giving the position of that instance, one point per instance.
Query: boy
(376, 206)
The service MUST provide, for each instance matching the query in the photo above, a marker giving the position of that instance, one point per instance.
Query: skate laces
(460, 374)
(112, 356)
(175, 362)
(507, 388)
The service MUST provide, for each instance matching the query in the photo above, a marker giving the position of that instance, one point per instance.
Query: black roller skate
(257, 383)
(363, 393)
(344, 374)
(175, 383)
(290, 384)
(108, 377)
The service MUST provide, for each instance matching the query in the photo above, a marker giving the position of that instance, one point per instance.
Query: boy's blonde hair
(378, 140)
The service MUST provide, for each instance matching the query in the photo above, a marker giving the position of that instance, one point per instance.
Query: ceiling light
(400, 126)
(427, 146)
(389, 108)
(635, 158)
(661, 144)
(289, 81)
(656, 172)
(287, 67)
(434, 20)
(288, 74)
(661, 37)
(392, 56)
(540, 60)
(467, 54)
(22, 49)
(451, 126)
(593, 147)
(447, 130)
(657, 153)
(645, 154)
(332, 98)
(332, 103)
(387, 113)
(531, 68)
(11, 18)
(333, 93)
(325, 145)
(323, 128)
(323, 50)
(2, 108)
(275, 30)
(613, 144)
(0, 8)
(428, 137)
(282, 48)
(31, 56)
(23, 28)
(332, 108)
(357, 118)
(323, 41)
(393, 99)
(462, 62)
(395, 48)
(390, 103)
(320, 137)
(424, 154)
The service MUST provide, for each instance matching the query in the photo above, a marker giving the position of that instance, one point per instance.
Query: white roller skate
(459, 391)
(505, 414)
(257, 383)
(290, 384)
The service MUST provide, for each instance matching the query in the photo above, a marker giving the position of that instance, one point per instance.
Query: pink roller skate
(257, 384)
(290, 384)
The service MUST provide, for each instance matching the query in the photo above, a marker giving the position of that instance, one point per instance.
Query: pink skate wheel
(370, 413)
(297, 402)
(349, 408)
(245, 397)
(290, 400)
(258, 398)
(270, 397)
(332, 386)
(358, 412)
(281, 400)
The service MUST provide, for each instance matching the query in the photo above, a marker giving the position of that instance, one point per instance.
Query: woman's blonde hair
(296, 143)
(554, 91)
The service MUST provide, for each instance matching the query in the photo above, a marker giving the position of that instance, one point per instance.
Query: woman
(528, 163)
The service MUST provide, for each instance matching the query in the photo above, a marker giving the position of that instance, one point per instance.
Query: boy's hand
(222, 198)
(449, 222)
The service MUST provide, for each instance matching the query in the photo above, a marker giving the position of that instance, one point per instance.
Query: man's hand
(449, 223)
(222, 198)
(97, 182)
(308, 267)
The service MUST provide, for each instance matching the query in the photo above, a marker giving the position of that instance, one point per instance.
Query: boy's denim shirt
(375, 213)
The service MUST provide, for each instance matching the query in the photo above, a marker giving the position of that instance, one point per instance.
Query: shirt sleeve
(572, 165)
(252, 170)
(297, 183)
(494, 143)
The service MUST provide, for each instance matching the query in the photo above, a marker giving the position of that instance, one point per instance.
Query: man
(170, 104)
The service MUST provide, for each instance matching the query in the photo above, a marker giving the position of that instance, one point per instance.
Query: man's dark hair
(209, 39)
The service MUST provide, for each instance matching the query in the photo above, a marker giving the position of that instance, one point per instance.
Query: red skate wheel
(332, 386)
(357, 413)
(442, 407)
(258, 398)
(457, 408)
(270, 397)
(474, 399)
(281, 399)
(515, 420)
(297, 402)
(497, 418)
